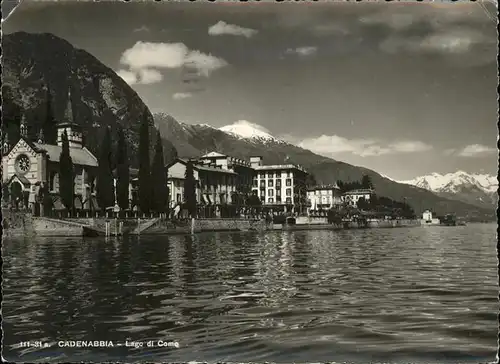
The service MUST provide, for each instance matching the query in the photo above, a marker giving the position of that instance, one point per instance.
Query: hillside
(194, 140)
(36, 65)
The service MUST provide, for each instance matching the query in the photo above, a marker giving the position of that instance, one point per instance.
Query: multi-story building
(214, 185)
(351, 198)
(244, 171)
(281, 187)
(323, 197)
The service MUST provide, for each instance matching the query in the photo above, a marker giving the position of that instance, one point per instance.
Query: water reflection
(419, 295)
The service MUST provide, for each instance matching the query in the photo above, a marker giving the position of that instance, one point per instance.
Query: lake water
(382, 295)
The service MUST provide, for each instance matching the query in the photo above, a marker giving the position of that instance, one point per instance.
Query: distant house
(323, 197)
(281, 187)
(351, 198)
(429, 219)
(28, 165)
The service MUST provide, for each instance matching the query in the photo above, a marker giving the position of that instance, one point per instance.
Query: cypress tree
(144, 167)
(66, 180)
(49, 125)
(104, 187)
(158, 177)
(122, 172)
(190, 189)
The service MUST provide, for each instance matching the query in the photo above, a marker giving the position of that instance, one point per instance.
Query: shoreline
(16, 225)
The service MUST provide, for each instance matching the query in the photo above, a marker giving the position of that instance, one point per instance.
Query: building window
(270, 183)
(262, 183)
(288, 181)
(270, 192)
(262, 175)
(254, 182)
(270, 200)
(288, 191)
(288, 200)
(269, 174)
(278, 174)
(278, 192)
(178, 198)
(278, 199)
(262, 198)
(52, 181)
(278, 183)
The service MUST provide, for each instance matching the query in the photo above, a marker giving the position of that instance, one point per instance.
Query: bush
(279, 219)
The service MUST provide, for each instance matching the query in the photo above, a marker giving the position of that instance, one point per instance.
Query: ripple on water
(409, 295)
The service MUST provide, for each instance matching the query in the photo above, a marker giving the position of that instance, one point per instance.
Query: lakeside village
(65, 182)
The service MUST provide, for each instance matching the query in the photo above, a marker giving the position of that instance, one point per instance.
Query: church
(28, 165)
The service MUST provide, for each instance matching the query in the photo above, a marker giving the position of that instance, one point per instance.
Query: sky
(405, 89)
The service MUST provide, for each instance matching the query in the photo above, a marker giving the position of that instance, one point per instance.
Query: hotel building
(351, 198)
(281, 187)
(323, 197)
(214, 184)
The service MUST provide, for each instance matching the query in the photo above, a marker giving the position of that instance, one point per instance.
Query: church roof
(80, 156)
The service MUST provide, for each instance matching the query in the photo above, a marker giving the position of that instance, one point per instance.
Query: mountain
(251, 132)
(245, 139)
(42, 67)
(476, 189)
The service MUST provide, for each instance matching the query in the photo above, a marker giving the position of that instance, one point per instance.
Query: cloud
(142, 29)
(302, 51)
(333, 144)
(476, 150)
(450, 41)
(128, 76)
(222, 28)
(143, 76)
(181, 95)
(147, 55)
(467, 30)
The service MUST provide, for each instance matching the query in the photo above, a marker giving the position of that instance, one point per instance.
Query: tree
(49, 126)
(170, 153)
(363, 204)
(311, 180)
(366, 182)
(159, 202)
(105, 184)
(190, 189)
(122, 172)
(5, 192)
(66, 179)
(144, 166)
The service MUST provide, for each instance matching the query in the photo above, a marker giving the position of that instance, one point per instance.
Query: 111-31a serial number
(33, 344)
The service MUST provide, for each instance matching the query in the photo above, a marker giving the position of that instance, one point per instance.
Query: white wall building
(324, 197)
(214, 186)
(280, 186)
(351, 198)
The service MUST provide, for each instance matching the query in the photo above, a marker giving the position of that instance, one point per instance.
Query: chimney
(256, 161)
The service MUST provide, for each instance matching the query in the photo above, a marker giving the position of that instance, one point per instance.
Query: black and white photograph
(249, 182)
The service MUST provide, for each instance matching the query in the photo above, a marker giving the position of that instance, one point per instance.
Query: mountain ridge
(38, 67)
(192, 140)
(475, 188)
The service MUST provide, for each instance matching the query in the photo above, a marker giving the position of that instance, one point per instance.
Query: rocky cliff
(40, 68)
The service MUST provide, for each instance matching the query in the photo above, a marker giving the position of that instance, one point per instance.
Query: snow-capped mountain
(247, 130)
(480, 189)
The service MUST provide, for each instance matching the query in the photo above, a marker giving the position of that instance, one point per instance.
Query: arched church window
(53, 180)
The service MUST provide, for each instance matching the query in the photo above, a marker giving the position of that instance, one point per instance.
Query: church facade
(29, 165)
